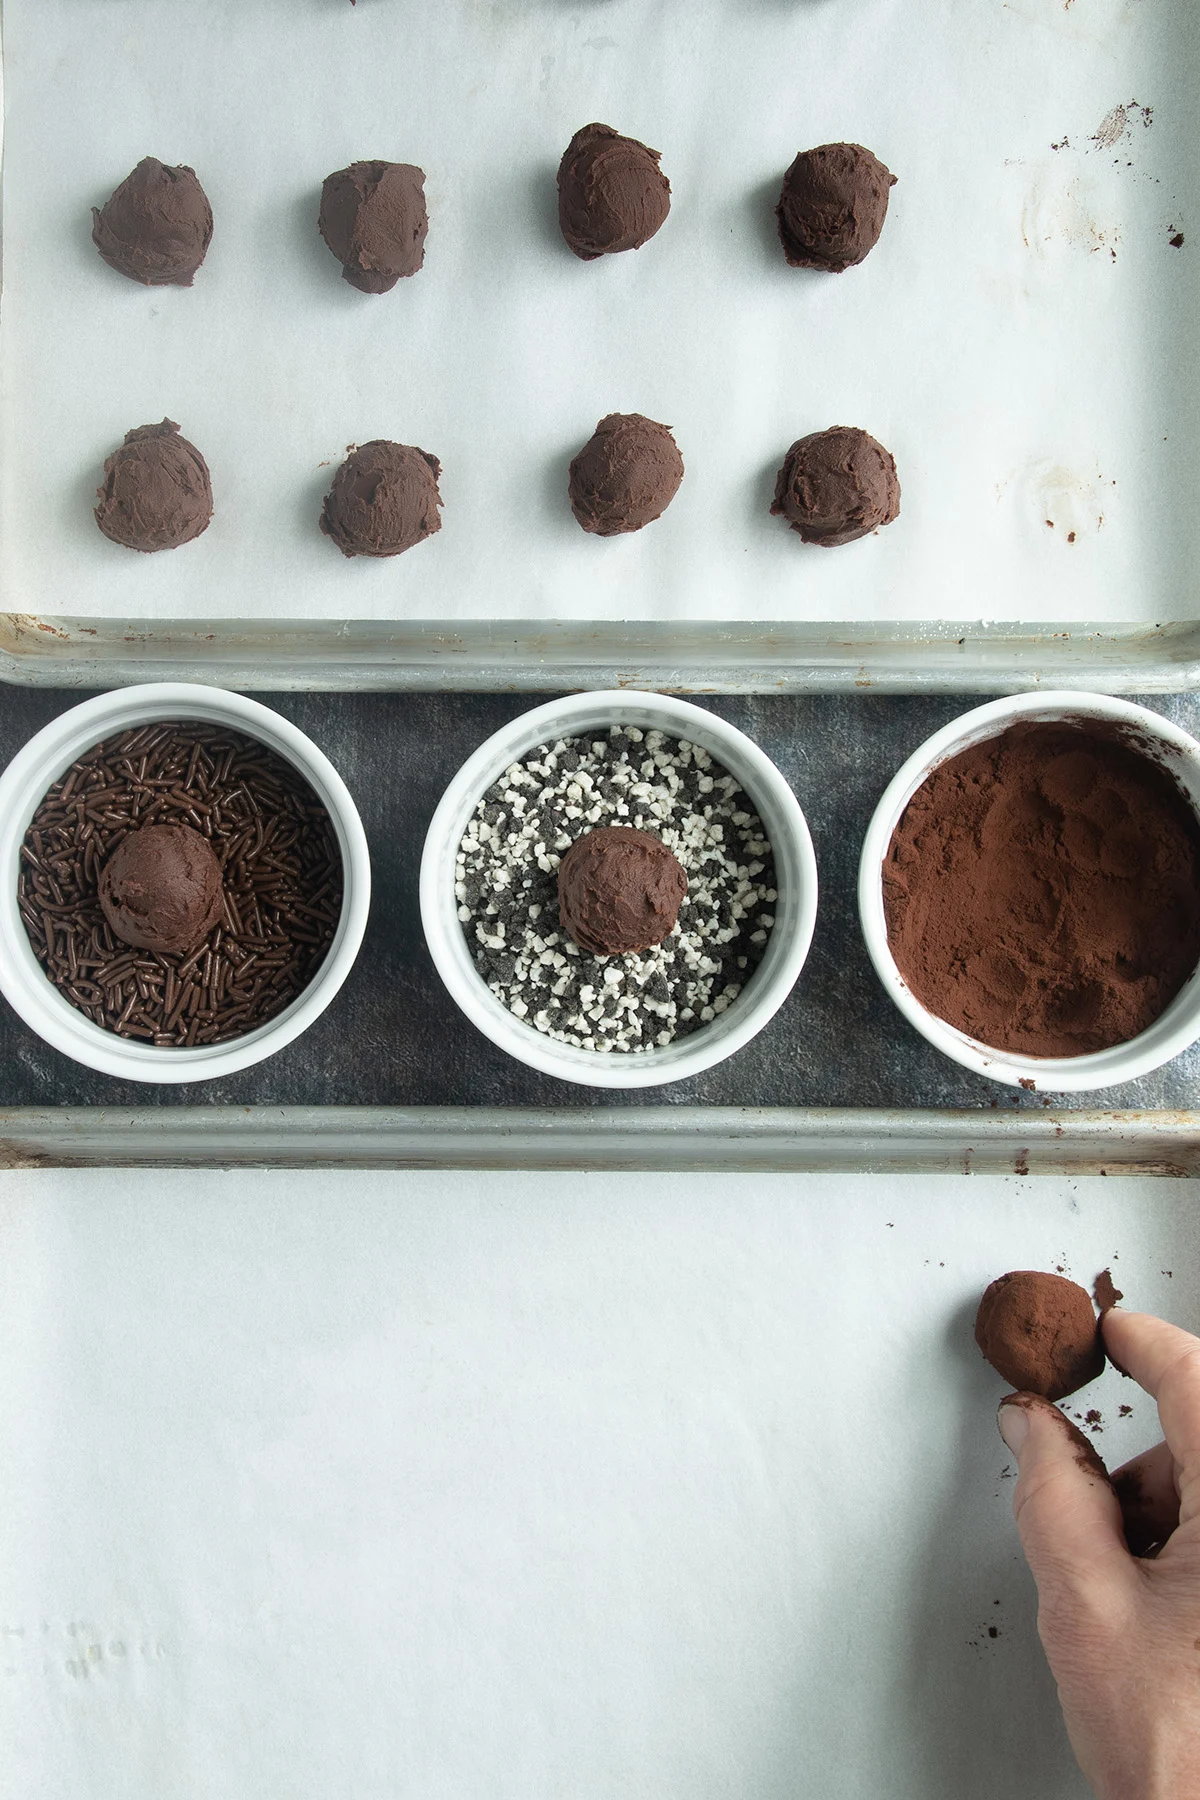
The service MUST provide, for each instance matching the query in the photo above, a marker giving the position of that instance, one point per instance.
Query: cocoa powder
(1105, 1291)
(1042, 890)
(1083, 1453)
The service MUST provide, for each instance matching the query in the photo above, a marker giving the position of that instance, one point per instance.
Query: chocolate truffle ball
(836, 486)
(384, 499)
(619, 889)
(832, 207)
(626, 475)
(1040, 1333)
(161, 888)
(374, 220)
(612, 195)
(156, 226)
(156, 493)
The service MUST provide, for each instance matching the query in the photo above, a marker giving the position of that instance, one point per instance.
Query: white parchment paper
(563, 1487)
(1022, 338)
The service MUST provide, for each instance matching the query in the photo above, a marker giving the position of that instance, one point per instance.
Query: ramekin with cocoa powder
(1030, 890)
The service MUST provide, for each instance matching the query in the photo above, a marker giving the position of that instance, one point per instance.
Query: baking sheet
(394, 1038)
(369, 1484)
(1021, 338)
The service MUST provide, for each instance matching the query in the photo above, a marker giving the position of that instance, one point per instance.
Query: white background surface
(565, 1487)
(1022, 338)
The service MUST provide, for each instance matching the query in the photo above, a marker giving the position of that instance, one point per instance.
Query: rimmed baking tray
(393, 1074)
(1021, 338)
(1024, 343)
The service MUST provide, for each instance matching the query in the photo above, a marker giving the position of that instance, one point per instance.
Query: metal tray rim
(660, 1139)
(685, 656)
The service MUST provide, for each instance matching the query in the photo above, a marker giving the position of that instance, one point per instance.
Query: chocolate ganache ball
(832, 207)
(1040, 1333)
(836, 486)
(612, 195)
(384, 499)
(156, 227)
(619, 889)
(625, 476)
(373, 218)
(156, 493)
(161, 888)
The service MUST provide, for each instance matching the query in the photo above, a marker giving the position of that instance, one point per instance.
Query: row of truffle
(834, 486)
(157, 225)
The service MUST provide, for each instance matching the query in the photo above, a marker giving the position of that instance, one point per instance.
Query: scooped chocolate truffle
(619, 889)
(156, 227)
(626, 475)
(612, 195)
(384, 499)
(832, 208)
(374, 220)
(836, 486)
(161, 888)
(1040, 1333)
(156, 493)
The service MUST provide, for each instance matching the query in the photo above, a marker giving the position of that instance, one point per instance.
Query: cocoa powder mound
(1042, 890)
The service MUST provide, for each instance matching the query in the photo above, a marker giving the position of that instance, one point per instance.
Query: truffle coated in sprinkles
(281, 882)
(506, 885)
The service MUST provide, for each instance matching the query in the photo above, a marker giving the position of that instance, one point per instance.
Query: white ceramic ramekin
(34, 770)
(795, 871)
(1170, 1033)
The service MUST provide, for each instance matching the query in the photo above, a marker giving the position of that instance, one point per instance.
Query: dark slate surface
(393, 1037)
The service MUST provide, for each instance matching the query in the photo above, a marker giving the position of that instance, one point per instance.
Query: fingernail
(1013, 1421)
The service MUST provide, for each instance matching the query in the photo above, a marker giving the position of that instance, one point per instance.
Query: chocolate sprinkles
(281, 879)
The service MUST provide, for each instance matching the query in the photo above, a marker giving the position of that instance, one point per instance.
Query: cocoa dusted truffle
(374, 220)
(612, 195)
(1040, 1333)
(836, 486)
(619, 889)
(161, 888)
(626, 475)
(384, 499)
(832, 208)
(156, 227)
(156, 493)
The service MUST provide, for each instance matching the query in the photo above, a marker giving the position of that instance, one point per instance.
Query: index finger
(1166, 1362)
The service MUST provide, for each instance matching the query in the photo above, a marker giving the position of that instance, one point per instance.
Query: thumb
(1066, 1512)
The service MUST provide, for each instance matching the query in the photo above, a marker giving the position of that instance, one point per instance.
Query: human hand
(1121, 1631)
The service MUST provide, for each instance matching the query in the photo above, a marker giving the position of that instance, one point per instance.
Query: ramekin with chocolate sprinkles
(185, 882)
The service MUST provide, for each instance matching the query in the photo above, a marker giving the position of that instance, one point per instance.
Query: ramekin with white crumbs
(506, 886)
